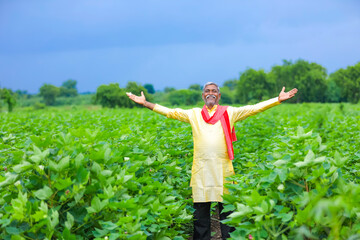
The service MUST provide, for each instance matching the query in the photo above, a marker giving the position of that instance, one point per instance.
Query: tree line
(312, 80)
(252, 86)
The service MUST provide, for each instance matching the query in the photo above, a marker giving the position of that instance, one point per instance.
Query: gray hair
(211, 83)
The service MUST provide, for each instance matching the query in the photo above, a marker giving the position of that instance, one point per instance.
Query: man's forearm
(149, 105)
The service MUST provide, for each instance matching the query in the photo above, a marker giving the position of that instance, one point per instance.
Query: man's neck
(210, 106)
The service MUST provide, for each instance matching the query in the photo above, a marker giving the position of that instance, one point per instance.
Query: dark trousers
(202, 222)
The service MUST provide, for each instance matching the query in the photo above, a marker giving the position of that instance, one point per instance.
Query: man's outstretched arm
(141, 100)
(177, 113)
(240, 113)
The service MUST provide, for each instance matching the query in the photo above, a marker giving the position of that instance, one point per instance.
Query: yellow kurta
(211, 163)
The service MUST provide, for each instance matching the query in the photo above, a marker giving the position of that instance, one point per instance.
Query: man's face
(211, 95)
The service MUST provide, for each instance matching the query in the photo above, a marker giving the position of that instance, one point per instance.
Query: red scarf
(222, 115)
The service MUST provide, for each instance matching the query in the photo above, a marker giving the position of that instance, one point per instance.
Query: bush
(111, 96)
(38, 106)
(184, 97)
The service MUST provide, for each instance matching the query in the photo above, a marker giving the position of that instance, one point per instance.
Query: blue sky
(168, 43)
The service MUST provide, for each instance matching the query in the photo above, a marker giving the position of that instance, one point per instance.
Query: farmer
(213, 134)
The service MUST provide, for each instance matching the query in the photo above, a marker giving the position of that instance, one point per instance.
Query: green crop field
(90, 173)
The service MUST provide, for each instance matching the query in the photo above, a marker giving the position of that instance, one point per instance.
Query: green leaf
(108, 225)
(53, 220)
(38, 155)
(69, 221)
(43, 193)
(41, 213)
(163, 238)
(97, 205)
(242, 211)
(79, 160)
(18, 208)
(96, 168)
(228, 208)
(319, 159)
(100, 232)
(301, 164)
(339, 161)
(10, 178)
(282, 173)
(168, 199)
(13, 230)
(24, 166)
(301, 134)
(279, 163)
(63, 164)
(4, 222)
(36, 159)
(37, 151)
(285, 217)
(334, 177)
(107, 155)
(62, 183)
(53, 166)
(106, 173)
(67, 235)
(79, 195)
(310, 156)
(309, 160)
(109, 192)
(82, 175)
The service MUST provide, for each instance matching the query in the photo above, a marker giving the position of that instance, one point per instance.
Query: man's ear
(202, 96)
(219, 96)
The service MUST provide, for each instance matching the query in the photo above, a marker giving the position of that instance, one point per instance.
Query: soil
(215, 225)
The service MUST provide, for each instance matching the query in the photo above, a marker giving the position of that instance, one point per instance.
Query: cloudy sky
(167, 42)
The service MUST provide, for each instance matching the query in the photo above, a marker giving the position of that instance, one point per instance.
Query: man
(213, 133)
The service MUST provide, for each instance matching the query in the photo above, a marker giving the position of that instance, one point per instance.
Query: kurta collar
(212, 110)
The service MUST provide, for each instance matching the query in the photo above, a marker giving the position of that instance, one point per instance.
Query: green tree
(8, 96)
(184, 97)
(195, 87)
(253, 85)
(169, 89)
(68, 88)
(226, 96)
(111, 96)
(231, 84)
(333, 91)
(309, 78)
(49, 93)
(150, 88)
(69, 84)
(349, 82)
(136, 89)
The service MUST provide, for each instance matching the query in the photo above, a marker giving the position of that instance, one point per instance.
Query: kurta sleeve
(176, 113)
(240, 113)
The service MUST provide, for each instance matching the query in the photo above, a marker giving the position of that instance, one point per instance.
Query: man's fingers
(293, 91)
(131, 96)
(283, 89)
(142, 94)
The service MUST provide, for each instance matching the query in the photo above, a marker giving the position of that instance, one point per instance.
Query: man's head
(211, 94)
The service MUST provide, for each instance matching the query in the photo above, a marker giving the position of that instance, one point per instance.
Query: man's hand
(140, 100)
(287, 95)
